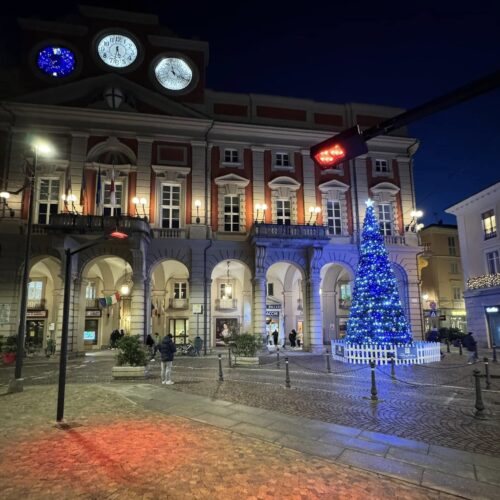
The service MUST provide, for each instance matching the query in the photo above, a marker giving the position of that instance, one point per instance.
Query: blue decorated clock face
(57, 62)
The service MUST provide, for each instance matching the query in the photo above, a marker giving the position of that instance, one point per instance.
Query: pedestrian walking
(275, 337)
(198, 344)
(167, 350)
(151, 346)
(292, 336)
(469, 342)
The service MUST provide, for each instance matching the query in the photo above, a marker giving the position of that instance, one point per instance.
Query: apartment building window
(170, 207)
(232, 213)
(493, 262)
(180, 290)
(35, 294)
(282, 160)
(381, 166)
(457, 293)
(345, 296)
(385, 218)
(231, 156)
(333, 217)
(108, 207)
(48, 199)
(91, 290)
(283, 212)
(452, 249)
(489, 224)
(454, 267)
(270, 289)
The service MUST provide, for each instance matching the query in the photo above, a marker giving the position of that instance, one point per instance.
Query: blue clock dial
(56, 61)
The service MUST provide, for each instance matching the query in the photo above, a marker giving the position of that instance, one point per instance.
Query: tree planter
(129, 372)
(8, 357)
(246, 361)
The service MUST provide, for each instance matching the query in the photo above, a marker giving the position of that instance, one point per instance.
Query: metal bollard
(328, 367)
(448, 345)
(479, 399)
(460, 348)
(393, 370)
(487, 373)
(221, 376)
(229, 356)
(495, 354)
(374, 386)
(287, 375)
(278, 357)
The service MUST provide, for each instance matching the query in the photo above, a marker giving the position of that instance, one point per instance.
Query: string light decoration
(376, 313)
(485, 281)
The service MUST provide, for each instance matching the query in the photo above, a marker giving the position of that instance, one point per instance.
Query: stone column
(258, 179)
(309, 182)
(198, 177)
(314, 336)
(143, 184)
(329, 313)
(78, 156)
(259, 307)
(196, 292)
(138, 320)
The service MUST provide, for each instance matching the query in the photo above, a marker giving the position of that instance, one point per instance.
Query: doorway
(493, 317)
(90, 333)
(34, 332)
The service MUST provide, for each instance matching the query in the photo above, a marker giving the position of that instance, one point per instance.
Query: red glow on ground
(330, 156)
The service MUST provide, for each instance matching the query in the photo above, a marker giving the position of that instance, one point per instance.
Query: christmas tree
(376, 312)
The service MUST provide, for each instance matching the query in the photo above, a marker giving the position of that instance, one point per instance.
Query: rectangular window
(270, 289)
(35, 290)
(47, 199)
(232, 213)
(493, 262)
(381, 166)
(489, 224)
(345, 296)
(231, 156)
(170, 206)
(385, 218)
(108, 207)
(454, 267)
(452, 249)
(457, 293)
(283, 212)
(333, 217)
(282, 160)
(90, 290)
(180, 290)
(226, 291)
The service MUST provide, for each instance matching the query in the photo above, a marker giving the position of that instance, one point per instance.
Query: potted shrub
(245, 350)
(131, 358)
(9, 350)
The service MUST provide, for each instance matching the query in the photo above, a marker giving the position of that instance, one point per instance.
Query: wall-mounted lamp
(197, 204)
(135, 201)
(313, 212)
(4, 196)
(414, 226)
(139, 201)
(143, 202)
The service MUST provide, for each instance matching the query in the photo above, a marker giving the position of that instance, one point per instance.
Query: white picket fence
(416, 353)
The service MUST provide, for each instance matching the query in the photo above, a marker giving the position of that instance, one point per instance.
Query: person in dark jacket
(275, 337)
(151, 346)
(167, 350)
(469, 342)
(292, 336)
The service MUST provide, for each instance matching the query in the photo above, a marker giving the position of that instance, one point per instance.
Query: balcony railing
(37, 304)
(292, 231)
(394, 240)
(178, 303)
(485, 281)
(97, 223)
(226, 304)
(169, 233)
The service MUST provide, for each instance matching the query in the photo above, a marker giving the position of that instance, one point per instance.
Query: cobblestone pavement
(432, 403)
(113, 449)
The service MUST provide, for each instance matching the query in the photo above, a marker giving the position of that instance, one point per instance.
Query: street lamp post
(65, 323)
(16, 385)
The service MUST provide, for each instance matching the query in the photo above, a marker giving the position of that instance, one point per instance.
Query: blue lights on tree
(56, 61)
(376, 313)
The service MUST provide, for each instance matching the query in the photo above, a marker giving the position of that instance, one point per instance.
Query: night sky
(388, 53)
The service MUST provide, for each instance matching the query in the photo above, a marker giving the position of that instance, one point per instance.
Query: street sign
(404, 352)
(433, 314)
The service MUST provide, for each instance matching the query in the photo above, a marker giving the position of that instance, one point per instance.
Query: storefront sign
(273, 306)
(406, 352)
(272, 313)
(458, 313)
(93, 313)
(442, 317)
(37, 314)
(197, 309)
(89, 336)
(492, 310)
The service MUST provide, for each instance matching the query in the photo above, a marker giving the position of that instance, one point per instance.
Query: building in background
(233, 228)
(442, 280)
(480, 255)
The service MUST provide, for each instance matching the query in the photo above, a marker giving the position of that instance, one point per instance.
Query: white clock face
(173, 73)
(117, 51)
